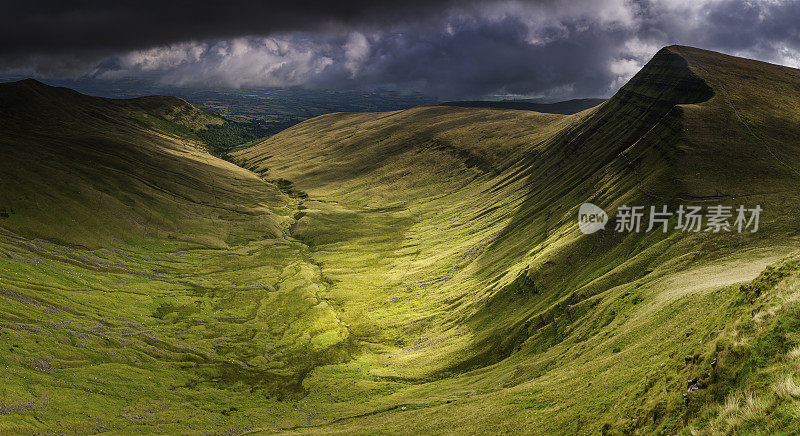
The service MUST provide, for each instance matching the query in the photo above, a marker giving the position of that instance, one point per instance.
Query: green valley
(408, 272)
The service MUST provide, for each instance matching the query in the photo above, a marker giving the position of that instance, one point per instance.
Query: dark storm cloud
(730, 25)
(480, 57)
(54, 27)
(446, 48)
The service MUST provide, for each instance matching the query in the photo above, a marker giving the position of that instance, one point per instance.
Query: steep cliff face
(645, 110)
(664, 82)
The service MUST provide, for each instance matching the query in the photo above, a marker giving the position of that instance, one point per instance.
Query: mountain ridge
(567, 107)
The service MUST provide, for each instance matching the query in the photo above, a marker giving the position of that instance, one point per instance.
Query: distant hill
(268, 110)
(567, 107)
(416, 271)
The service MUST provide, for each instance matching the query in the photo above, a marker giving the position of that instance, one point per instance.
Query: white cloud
(356, 51)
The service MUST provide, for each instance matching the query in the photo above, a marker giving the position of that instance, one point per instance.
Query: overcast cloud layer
(451, 49)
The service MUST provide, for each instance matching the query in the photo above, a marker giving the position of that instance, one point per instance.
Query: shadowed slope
(89, 171)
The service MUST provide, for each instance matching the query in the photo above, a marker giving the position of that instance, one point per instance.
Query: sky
(445, 48)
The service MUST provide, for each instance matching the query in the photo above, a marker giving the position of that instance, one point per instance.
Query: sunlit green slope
(144, 284)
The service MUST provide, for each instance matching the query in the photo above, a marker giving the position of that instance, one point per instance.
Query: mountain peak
(33, 84)
(29, 82)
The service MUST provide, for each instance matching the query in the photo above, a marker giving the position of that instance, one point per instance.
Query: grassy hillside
(138, 271)
(418, 271)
